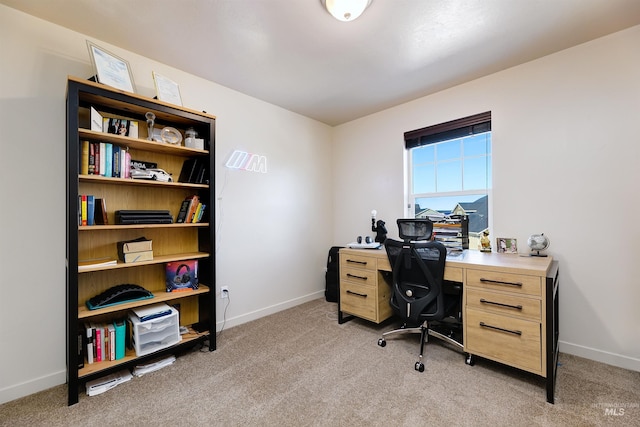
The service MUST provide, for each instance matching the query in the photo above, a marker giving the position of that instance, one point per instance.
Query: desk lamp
(379, 228)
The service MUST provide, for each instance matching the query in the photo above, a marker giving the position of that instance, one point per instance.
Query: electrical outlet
(224, 292)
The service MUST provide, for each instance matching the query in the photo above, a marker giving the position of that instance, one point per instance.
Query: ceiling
(294, 54)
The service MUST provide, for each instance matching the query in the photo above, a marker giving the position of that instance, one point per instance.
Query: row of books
(105, 159)
(191, 210)
(105, 341)
(91, 210)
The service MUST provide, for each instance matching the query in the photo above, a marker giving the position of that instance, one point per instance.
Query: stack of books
(136, 250)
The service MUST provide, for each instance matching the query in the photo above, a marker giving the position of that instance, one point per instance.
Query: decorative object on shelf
(166, 89)
(485, 243)
(346, 10)
(151, 118)
(171, 135)
(507, 245)
(379, 228)
(537, 243)
(191, 139)
(110, 69)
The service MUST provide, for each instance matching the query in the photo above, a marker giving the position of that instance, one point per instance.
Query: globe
(537, 243)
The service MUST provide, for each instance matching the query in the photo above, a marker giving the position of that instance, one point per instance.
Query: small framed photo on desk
(507, 245)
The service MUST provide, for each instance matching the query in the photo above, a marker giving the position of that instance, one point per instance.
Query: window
(449, 172)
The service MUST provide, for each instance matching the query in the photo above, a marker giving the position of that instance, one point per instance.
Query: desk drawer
(371, 303)
(357, 261)
(501, 303)
(515, 342)
(516, 283)
(359, 276)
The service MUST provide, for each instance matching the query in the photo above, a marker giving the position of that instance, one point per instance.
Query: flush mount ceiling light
(346, 10)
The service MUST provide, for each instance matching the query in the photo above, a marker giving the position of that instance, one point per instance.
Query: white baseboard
(16, 391)
(254, 315)
(612, 359)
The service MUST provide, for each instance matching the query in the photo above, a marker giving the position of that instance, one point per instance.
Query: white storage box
(155, 334)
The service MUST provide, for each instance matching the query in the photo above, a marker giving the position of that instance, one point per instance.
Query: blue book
(108, 159)
(91, 209)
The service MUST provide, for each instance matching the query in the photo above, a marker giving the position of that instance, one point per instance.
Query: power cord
(205, 344)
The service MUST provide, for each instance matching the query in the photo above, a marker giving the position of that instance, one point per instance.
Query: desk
(510, 304)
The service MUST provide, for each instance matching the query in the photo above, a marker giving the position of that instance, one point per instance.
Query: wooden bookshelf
(175, 242)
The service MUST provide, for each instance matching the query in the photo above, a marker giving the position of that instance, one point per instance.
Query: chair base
(424, 332)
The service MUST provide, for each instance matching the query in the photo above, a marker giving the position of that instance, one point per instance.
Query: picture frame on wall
(507, 245)
(166, 89)
(110, 69)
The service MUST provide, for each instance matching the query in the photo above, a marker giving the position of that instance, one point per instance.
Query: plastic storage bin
(155, 334)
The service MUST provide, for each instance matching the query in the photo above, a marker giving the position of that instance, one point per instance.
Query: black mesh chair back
(417, 271)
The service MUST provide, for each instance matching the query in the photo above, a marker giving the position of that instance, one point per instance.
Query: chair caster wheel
(382, 342)
(469, 360)
(419, 366)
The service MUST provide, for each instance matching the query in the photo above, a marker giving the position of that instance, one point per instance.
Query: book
(188, 170)
(138, 256)
(100, 214)
(108, 159)
(102, 158)
(152, 311)
(121, 331)
(135, 245)
(193, 205)
(89, 342)
(116, 162)
(95, 262)
(84, 209)
(90, 209)
(84, 158)
(112, 341)
(184, 209)
(196, 214)
(92, 158)
(126, 164)
(98, 341)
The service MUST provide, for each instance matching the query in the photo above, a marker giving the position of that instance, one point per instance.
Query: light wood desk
(509, 304)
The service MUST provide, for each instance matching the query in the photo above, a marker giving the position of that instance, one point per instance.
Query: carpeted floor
(300, 367)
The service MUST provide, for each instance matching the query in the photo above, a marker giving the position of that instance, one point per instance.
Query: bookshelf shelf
(142, 144)
(95, 369)
(156, 260)
(85, 313)
(141, 182)
(140, 226)
(174, 242)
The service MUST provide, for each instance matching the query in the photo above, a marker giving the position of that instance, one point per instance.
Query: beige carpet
(300, 368)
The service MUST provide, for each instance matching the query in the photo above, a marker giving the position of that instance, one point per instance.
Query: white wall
(565, 163)
(581, 167)
(273, 235)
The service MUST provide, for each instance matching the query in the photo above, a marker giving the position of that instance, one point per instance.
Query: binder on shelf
(121, 332)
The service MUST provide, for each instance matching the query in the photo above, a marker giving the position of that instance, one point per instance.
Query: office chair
(417, 294)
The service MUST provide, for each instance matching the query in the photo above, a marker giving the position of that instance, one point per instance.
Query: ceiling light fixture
(346, 10)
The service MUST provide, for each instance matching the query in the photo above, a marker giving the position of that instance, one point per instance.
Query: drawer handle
(357, 294)
(352, 261)
(484, 325)
(517, 307)
(356, 277)
(498, 282)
